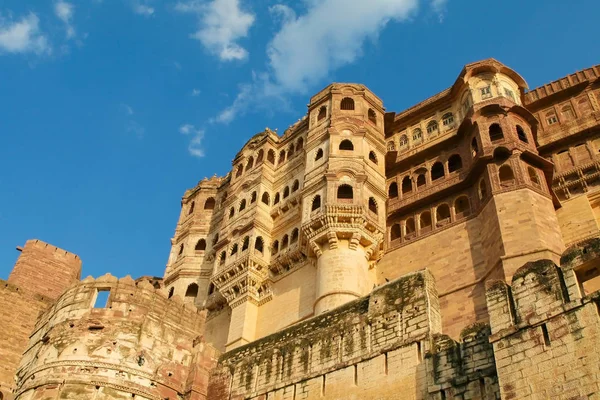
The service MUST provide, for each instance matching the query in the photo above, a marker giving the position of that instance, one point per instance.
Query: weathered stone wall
(545, 335)
(41, 273)
(370, 348)
(139, 344)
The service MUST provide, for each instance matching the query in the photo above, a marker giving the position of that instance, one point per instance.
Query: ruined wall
(545, 335)
(371, 348)
(41, 273)
(139, 344)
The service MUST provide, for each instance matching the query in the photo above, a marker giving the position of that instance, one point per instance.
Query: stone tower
(344, 195)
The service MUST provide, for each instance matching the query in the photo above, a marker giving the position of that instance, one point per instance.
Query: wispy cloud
(142, 8)
(221, 24)
(195, 92)
(196, 135)
(127, 109)
(307, 48)
(439, 7)
(65, 11)
(23, 36)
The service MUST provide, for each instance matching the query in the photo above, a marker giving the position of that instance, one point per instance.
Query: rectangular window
(486, 92)
(551, 120)
(509, 93)
(101, 300)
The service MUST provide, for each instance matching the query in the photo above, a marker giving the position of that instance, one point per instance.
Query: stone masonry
(448, 251)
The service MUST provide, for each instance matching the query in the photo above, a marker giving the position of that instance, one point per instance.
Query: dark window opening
(201, 245)
(234, 249)
(275, 247)
(246, 243)
(506, 175)
(242, 204)
(437, 171)
(231, 212)
(454, 163)
(372, 116)
(271, 157)
(346, 145)
(372, 205)
(258, 244)
(294, 237)
(347, 104)
(281, 157)
(461, 206)
(192, 290)
(322, 113)
(395, 232)
(276, 200)
(406, 185)
(474, 147)
(265, 198)
(496, 133)
(286, 192)
(253, 197)
(239, 172)
(211, 289)
(295, 186)
(259, 156)
(393, 190)
(284, 242)
(316, 203)
(181, 249)
(209, 204)
(410, 226)
(345, 192)
(373, 157)
(425, 221)
(442, 214)
(521, 134)
(222, 258)
(300, 144)
(319, 154)
(421, 180)
(191, 210)
(171, 292)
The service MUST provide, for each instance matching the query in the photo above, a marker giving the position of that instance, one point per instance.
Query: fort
(448, 251)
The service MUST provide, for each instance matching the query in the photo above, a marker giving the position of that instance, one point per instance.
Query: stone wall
(138, 344)
(545, 334)
(370, 348)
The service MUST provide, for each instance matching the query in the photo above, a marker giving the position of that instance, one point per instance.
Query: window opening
(521, 134)
(496, 132)
(201, 245)
(406, 185)
(372, 205)
(372, 116)
(192, 290)
(347, 104)
(437, 171)
(346, 145)
(322, 113)
(316, 203)
(345, 192)
(102, 296)
(393, 190)
(209, 204)
(265, 198)
(319, 154)
(454, 163)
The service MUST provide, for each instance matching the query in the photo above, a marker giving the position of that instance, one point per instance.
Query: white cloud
(439, 7)
(23, 36)
(140, 7)
(309, 47)
(195, 145)
(195, 92)
(221, 24)
(65, 11)
(127, 108)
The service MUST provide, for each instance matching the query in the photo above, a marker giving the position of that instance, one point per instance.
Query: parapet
(45, 269)
(114, 337)
(401, 314)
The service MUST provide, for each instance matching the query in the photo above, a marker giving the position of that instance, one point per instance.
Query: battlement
(393, 322)
(136, 341)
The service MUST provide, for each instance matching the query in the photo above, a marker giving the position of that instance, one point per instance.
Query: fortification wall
(544, 333)
(370, 348)
(41, 273)
(139, 344)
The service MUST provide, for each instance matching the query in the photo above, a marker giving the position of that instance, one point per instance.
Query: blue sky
(110, 109)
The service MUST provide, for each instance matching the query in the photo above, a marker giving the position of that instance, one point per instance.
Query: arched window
(231, 212)
(551, 118)
(506, 175)
(222, 258)
(584, 104)
(474, 147)
(482, 190)
(215, 239)
(403, 141)
(295, 186)
(393, 190)
(373, 157)
(454, 163)
(391, 146)
(209, 204)
(250, 163)
(171, 292)
(239, 172)
(345, 192)
(191, 210)
(322, 113)
(294, 237)
(372, 116)
(406, 185)
(299, 144)
(211, 289)
(410, 226)
(372, 205)
(284, 242)
(290, 151)
(496, 132)
(417, 135)
(447, 119)
(201, 245)
(316, 203)
(432, 127)
(246, 243)
(253, 197)
(437, 171)
(425, 221)
(259, 156)
(286, 192)
(442, 214)
(567, 112)
(319, 154)
(421, 180)
(281, 157)
(462, 207)
(346, 145)
(271, 157)
(521, 134)
(275, 247)
(265, 198)
(347, 104)
(242, 204)
(181, 247)
(533, 176)
(395, 232)
(276, 199)
(192, 290)
(234, 249)
(259, 244)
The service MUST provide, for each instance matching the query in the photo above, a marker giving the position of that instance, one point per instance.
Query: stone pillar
(342, 275)
(242, 328)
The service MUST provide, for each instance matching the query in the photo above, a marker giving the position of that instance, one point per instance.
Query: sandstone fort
(447, 251)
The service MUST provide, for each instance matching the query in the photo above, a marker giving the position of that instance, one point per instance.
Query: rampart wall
(138, 344)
